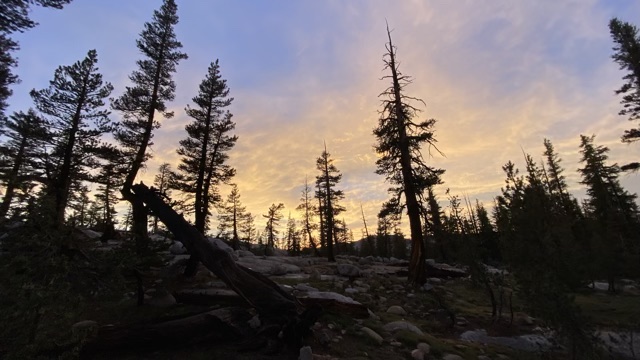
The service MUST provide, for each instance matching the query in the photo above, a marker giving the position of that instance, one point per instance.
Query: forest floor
(383, 289)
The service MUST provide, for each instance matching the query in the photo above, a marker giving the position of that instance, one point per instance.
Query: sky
(499, 76)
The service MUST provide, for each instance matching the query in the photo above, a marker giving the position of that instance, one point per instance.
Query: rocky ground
(446, 319)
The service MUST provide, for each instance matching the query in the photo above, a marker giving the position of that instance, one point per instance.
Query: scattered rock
(502, 357)
(395, 343)
(162, 298)
(532, 342)
(372, 334)
(332, 296)
(452, 357)
(427, 287)
(177, 248)
(351, 291)
(245, 253)
(348, 270)
(417, 354)
(83, 325)
(305, 287)
(630, 290)
(402, 325)
(395, 309)
(255, 322)
(424, 347)
(305, 353)
(483, 357)
(315, 275)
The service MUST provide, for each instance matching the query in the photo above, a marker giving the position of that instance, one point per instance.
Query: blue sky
(499, 76)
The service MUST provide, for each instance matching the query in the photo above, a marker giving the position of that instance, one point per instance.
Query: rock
(395, 309)
(372, 334)
(599, 286)
(483, 357)
(315, 275)
(255, 322)
(332, 296)
(531, 342)
(434, 280)
(460, 321)
(162, 298)
(424, 347)
(91, 234)
(177, 248)
(366, 260)
(427, 287)
(84, 324)
(452, 357)
(395, 343)
(373, 315)
(305, 288)
(245, 253)
(630, 290)
(402, 325)
(348, 270)
(417, 354)
(220, 244)
(305, 353)
(351, 291)
(502, 357)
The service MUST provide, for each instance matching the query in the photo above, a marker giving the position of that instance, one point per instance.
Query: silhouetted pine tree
(161, 183)
(231, 214)
(329, 198)
(612, 212)
(152, 88)
(109, 179)
(205, 151)
(308, 209)
(400, 142)
(24, 135)
(74, 105)
(273, 216)
(15, 18)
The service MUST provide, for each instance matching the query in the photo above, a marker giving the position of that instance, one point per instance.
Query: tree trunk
(264, 295)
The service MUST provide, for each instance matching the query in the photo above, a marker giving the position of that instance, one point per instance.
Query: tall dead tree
(399, 145)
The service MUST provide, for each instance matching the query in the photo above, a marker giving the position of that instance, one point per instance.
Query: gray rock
(351, 291)
(372, 334)
(417, 354)
(305, 353)
(348, 270)
(177, 248)
(630, 290)
(333, 296)
(424, 347)
(84, 324)
(162, 298)
(245, 253)
(427, 287)
(402, 325)
(434, 280)
(315, 275)
(452, 357)
(254, 322)
(395, 309)
(305, 287)
(532, 342)
(483, 357)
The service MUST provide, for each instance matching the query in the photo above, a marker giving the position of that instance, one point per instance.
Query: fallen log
(218, 325)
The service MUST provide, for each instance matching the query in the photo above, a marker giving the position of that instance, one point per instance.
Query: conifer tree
(24, 135)
(292, 236)
(613, 211)
(74, 105)
(161, 183)
(15, 18)
(308, 209)
(329, 198)
(205, 151)
(273, 216)
(399, 144)
(231, 215)
(248, 229)
(152, 88)
(627, 55)
(109, 180)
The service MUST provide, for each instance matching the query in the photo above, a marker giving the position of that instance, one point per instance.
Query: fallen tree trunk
(269, 300)
(224, 324)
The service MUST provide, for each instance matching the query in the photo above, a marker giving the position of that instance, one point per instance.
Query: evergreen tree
(248, 229)
(293, 237)
(613, 211)
(205, 151)
(399, 145)
(152, 88)
(308, 209)
(74, 104)
(273, 216)
(329, 198)
(15, 18)
(627, 55)
(161, 183)
(24, 135)
(231, 215)
(109, 179)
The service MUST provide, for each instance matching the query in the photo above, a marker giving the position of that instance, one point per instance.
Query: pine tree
(308, 209)
(326, 182)
(24, 135)
(627, 55)
(152, 88)
(15, 18)
(248, 229)
(273, 216)
(293, 237)
(109, 178)
(231, 215)
(205, 151)
(74, 104)
(399, 145)
(612, 209)
(161, 183)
